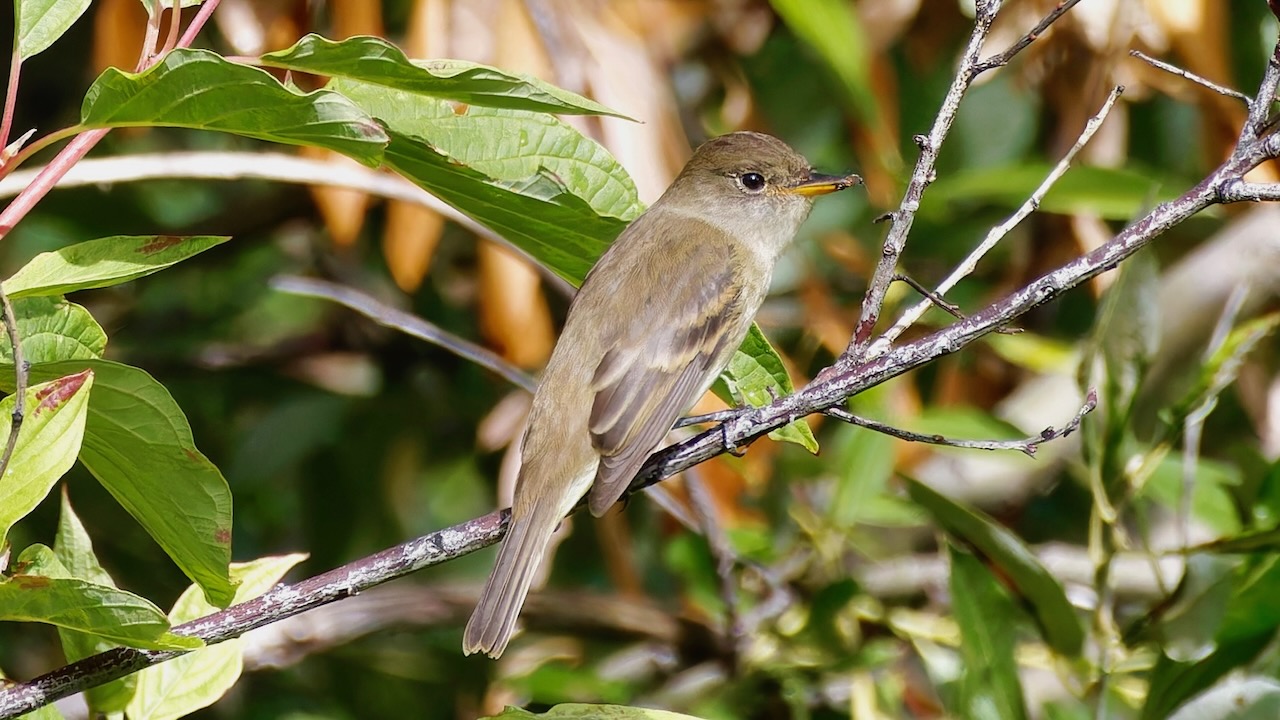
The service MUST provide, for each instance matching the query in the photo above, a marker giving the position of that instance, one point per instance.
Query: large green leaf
(104, 262)
(374, 60)
(41, 22)
(188, 683)
(556, 227)
(989, 684)
(74, 551)
(1058, 621)
(517, 149)
(201, 90)
(138, 444)
(52, 329)
(41, 591)
(48, 441)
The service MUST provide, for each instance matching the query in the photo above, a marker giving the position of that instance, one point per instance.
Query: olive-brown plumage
(654, 323)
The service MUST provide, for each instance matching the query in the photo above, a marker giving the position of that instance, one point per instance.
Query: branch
(1188, 75)
(1026, 446)
(20, 382)
(1003, 58)
(998, 233)
(407, 323)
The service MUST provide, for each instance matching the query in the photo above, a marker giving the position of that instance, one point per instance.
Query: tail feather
(494, 620)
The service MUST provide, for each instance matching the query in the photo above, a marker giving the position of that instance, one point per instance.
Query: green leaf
(752, 371)
(52, 329)
(864, 465)
(104, 262)
(196, 680)
(1190, 621)
(531, 153)
(1113, 194)
(833, 28)
(201, 90)
(583, 711)
(374, 60)
(557, 228)
(989, 685)
(74, 551)
(47, 444)
(138, 444)
(41, 22)
(41, 591)
(1059, 623)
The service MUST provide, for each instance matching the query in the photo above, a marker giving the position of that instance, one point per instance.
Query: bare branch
(1027, 446)
(405, 322)
(1188, 75)
(997, 233)
(1003, 58)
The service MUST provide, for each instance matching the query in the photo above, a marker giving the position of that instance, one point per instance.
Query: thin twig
(20, 382)
(407, 323)
(198, 23)
(277, 167)
(10, 101)
(998, 232)
(1003, 58)
(923, 174)
(1027, 446)
(1188, 75)
(148, 52)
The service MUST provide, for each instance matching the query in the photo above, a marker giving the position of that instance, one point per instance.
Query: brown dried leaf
(341, 210)
(409, 240)
(513, 312)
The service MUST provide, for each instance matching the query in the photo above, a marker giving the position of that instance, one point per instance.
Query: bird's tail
(494, 619)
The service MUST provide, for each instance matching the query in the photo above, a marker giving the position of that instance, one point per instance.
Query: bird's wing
(653, 373)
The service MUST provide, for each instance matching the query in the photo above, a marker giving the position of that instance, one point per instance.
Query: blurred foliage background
(339, 437)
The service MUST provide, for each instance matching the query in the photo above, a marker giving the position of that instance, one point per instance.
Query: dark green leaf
(989, 684)
(201, 90)
(1058, 621)
(374, 60)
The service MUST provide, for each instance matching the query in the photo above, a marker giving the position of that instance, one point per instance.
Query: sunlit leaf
(374, 60)
(103, 262)
(138, 444)
(200, 90)
(48, 441)
(753, 371)
(52, 329)
(41, 591)
(41, 22)
(186, 684)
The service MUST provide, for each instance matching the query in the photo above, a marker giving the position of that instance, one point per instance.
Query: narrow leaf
(103, 262)
(196, 680)
(1057, 618)
(41, 22)
(47, 445)
(374, 60)
(41, 591)
(833, 28)
(201, 90)
(989, 686)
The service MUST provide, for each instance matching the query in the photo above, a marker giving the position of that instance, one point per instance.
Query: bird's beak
(817, 184)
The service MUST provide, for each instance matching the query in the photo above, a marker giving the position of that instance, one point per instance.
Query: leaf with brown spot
(104, 262)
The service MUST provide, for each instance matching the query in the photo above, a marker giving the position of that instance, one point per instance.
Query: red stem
(77, 148)
(10, 100)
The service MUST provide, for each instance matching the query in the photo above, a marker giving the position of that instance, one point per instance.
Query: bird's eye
(752, 181)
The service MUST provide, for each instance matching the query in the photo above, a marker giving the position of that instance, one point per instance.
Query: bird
(654, 323)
